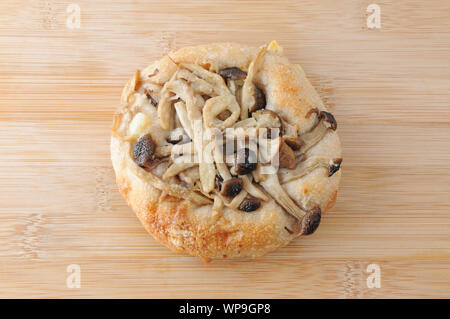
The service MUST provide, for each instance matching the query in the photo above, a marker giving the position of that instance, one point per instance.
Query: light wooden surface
(389, 90)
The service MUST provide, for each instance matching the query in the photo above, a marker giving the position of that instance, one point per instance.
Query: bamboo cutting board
(389, 89)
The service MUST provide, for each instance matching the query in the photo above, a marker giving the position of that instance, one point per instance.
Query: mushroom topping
(306, 167)
(144, 151)
(179, 164)
(252, 189)
(217, 105)
(250, 204)
(276, 151)
(272, 186)
(176, 136)
(212, 78)
(150, 97)
(293, 142)
(190, 176)
(233, 73)
(260, 100)
(334, 166)
(249, 94)
(180, 108)
(194, 98)
(267, 119)
(286, 156)
(231, 187)
(250, 122)
(224, 115)
(198, 84)
(311, 221)
(325, 122)
(165, 104)
(246, 161)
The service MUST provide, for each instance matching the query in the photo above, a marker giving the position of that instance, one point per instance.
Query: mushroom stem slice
(190, 176)
(214, 79)
(182, 149)
(165, 105)
(306, 167)
(252, 189)
(180, 108)
(272, 186)
(207, 169)
(237, 200)
(180, 164)
(198, 84)
(222, 168)
(247, 123)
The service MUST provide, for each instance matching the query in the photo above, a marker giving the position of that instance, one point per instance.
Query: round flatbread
(225, 150)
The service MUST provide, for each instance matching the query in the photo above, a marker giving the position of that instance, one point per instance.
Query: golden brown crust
(198, 230)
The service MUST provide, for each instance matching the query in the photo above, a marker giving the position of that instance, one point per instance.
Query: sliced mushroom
(277, 152)
(306, 167)
(252, 189)
(182, 149)
(178, 191)
(144, 151)
(250, 122)
(198, 85)
(250, 204)
(150, 97)
(224, 115)
(236, 201)
(206, 167)
(222, 168)
(163, 151)
(311, 221)
(179, 164)
(249, 90)
(176, 136)
(180, 108)
(130, 87)
(260, 99)
(215, 106)
(232, 73)
(220, 88)
(293, 142)
(334, 166)
(289, 130)
(231, 187)
(325, 122)
(218, 205)
(272, 186)
(267, 118)
(190, 176)
(246, 161)
(165, 104)
(286, 156)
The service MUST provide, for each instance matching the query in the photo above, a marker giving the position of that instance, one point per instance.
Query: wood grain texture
(389, 90)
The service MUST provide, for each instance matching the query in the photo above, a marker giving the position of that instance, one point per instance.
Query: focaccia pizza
(225, 150)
